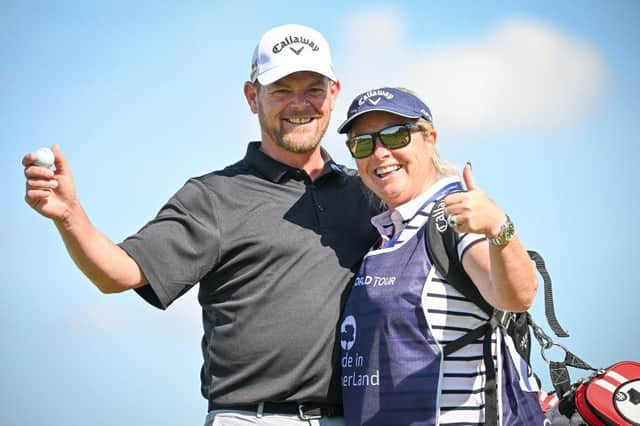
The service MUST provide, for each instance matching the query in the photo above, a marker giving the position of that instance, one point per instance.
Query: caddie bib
(391, 364)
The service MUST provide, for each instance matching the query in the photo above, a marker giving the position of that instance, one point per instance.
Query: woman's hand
(473, 211)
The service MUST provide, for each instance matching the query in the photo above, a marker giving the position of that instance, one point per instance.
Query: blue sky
(542, 97)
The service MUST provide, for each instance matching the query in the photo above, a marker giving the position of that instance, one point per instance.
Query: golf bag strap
(465, 339)
(441, 242)
(560, 378)
(561, 381)
(560, 374)
(573, 360)
(491, 384)
(548, 294)
(441, 245)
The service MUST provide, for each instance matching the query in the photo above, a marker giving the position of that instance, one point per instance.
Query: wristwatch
(506, 233)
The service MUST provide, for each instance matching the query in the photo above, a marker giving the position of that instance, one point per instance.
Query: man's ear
(251, 95)
(334, 91)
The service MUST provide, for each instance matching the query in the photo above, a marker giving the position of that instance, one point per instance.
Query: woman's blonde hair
(443, 167)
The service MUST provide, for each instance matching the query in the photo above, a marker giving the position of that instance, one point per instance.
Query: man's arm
(53, 195)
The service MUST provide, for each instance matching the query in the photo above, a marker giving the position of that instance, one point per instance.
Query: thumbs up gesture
(473, 211)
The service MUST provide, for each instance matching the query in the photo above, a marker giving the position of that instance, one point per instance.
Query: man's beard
(295, 143)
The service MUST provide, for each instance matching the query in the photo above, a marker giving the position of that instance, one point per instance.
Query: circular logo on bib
(348, 333)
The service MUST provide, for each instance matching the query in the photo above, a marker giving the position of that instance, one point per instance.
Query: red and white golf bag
(607, 397)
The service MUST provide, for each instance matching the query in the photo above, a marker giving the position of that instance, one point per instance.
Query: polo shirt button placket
(314, 193)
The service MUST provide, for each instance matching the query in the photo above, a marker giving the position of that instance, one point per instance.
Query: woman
(401, 312)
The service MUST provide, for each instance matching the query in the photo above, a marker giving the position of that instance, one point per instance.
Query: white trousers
(245, 418)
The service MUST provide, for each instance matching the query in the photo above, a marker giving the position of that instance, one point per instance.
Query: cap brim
(344, 127)
(275, 74)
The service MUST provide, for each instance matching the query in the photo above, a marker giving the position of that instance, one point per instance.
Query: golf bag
(608, 396)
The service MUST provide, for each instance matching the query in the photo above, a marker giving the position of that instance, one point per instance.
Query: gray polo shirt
(274, 253)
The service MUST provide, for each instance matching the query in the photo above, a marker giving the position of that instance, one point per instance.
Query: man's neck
(311, 162)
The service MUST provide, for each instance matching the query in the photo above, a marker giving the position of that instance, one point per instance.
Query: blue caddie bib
(391, 364)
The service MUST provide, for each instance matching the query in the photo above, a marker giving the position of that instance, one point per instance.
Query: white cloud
(520, 74)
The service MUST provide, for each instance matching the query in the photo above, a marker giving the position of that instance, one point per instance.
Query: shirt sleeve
(178, 247)
(466, 240)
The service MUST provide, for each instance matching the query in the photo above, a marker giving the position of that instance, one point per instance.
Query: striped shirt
(448, 313)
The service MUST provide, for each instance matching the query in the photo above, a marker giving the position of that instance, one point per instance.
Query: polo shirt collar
(276, 171)
(405, 212)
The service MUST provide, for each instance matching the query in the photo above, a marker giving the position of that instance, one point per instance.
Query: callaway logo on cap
(390, 99)
(287, 49)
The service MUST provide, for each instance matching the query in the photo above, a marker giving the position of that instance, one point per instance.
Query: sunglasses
(392, 137)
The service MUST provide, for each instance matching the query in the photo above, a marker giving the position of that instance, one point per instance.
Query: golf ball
(44, 157)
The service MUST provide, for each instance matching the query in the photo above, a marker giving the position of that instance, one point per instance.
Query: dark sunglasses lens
(395, 137)
(361, 146)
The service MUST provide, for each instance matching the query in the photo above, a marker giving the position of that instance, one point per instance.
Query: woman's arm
(504, 274)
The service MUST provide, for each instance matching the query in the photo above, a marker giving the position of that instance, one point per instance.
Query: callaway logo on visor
(374, 96)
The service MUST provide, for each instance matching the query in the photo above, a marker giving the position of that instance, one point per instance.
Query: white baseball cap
(287, 49)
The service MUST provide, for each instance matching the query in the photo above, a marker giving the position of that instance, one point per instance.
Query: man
(273, 240)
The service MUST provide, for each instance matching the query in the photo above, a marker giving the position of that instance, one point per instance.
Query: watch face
(508, 229)
(506, 233)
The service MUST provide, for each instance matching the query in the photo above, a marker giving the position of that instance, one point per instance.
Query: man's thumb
(60, 161)
(468, 178)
